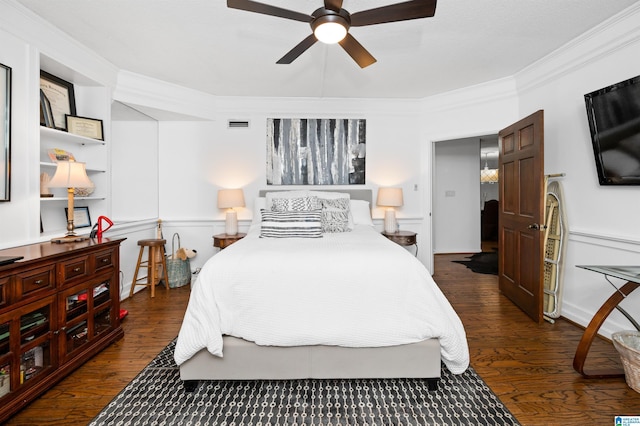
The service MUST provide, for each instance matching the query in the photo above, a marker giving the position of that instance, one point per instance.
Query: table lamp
(390, 198)
(70, 175)
(228, 199)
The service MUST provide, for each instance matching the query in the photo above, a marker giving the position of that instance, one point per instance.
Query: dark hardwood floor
(529, 366)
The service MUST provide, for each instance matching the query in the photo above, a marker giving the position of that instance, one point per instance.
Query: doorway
(489, 193)
(458, 195)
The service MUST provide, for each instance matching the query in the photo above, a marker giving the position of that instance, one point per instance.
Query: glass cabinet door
(35, 342)
(34, 361)
(87, 314)
(4, 338)
(102, 321)
(5, 359)
(76, 329)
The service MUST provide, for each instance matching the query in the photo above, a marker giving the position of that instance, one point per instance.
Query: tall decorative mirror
(5, 132)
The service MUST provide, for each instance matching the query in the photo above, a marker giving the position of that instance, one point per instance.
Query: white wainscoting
(585, 291)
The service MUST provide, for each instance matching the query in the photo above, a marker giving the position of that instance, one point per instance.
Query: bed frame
(244, 360)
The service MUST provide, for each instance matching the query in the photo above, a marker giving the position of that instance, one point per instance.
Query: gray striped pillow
(305, 224)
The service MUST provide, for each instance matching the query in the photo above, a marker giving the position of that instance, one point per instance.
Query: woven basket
(179, 271)
(627, 343)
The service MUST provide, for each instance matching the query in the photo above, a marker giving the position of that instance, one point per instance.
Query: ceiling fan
(331, 23)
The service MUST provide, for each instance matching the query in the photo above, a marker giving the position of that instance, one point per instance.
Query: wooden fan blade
(414, 9)
(356, 51)
(298, 50)
(265, 9)
(334, 5)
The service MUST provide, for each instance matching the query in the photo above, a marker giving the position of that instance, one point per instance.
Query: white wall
(197, 158)
(19, 217)
(135, 170)
(456, 197)
(603, 220)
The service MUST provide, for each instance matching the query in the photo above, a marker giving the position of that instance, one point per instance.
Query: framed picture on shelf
(83, 126)
(61, 97)
(81, 218)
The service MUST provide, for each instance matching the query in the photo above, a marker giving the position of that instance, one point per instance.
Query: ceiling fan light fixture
(330, 32)
(330, 29)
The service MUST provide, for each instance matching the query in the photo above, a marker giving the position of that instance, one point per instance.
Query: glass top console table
(631, 274)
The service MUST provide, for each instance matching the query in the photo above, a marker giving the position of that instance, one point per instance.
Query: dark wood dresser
(59, 306)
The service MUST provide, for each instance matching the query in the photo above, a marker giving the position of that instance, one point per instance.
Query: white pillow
(361, 212)
(258, 204)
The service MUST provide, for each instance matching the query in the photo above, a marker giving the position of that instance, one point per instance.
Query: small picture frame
(83, 126)
(61, 97)
(81, 218)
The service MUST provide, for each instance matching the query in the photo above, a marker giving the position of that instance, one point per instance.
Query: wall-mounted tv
(614, 121)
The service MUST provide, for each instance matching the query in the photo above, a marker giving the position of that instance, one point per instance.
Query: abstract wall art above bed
(316, 151)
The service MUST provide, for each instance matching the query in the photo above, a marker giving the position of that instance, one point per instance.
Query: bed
(289, 302)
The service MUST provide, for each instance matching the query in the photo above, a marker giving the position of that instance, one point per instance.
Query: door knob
(534, 226)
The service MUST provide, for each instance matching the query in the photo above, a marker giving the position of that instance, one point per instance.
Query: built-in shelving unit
(94, 101)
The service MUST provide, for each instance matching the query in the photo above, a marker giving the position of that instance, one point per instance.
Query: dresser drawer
(73, 269)
(34, 281)
(103, 260)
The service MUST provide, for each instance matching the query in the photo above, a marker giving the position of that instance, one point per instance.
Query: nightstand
(404, 238)
(223, 240)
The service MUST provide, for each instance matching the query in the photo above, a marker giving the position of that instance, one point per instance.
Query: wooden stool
(154, 254)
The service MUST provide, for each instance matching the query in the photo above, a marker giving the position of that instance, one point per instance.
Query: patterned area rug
(156, 397)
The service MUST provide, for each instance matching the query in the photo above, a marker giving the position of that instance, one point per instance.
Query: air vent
(237, 124)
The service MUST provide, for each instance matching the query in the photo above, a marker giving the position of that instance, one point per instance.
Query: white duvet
(354, 289)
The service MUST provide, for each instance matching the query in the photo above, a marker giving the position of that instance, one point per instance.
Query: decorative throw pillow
(290, 224)
(335, 215)
(269, 196)
(328, 195)
(299, 204)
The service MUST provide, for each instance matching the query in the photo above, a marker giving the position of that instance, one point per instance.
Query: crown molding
(140, 90)
(503, 89)
(612, 35)
(80, 62)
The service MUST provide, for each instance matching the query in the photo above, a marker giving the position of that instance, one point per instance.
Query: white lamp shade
(390, 197)
(230, 198)
(70, 174)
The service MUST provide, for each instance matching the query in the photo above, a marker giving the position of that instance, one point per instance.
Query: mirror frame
(5, 133)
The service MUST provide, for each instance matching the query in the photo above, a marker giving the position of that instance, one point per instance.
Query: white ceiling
(201, 44)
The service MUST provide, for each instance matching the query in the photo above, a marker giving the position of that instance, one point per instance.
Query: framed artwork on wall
(324, 151)
(5, 133)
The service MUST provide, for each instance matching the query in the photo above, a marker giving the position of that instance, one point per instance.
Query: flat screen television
(614, 121)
